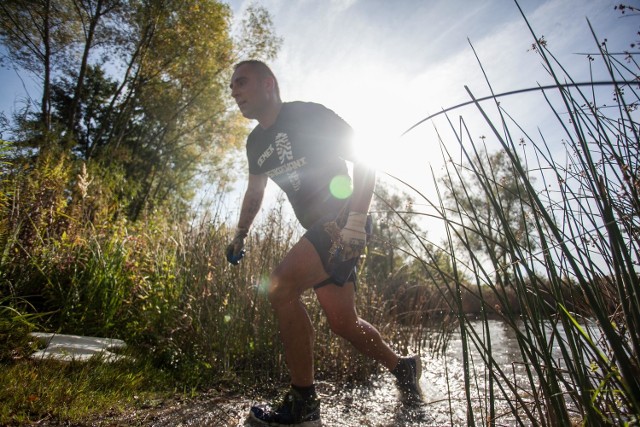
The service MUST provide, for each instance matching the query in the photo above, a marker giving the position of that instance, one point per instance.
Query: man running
(302, 147)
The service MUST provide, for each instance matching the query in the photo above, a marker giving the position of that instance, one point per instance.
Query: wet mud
(374, 405)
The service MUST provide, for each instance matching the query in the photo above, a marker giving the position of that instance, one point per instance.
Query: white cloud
(341, 5)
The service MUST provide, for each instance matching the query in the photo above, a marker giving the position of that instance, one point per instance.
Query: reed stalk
(568, 248)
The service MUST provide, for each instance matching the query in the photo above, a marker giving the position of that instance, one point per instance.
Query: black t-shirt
(303, 151)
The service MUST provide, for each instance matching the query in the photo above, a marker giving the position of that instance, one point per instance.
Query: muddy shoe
(407, 375)
(293, 410)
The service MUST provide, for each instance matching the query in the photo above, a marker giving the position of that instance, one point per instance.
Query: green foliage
(569, 248)
(490, 209)
(141, 90)
(93, 127)
(163, 287)
(257, 36)
(38, 202)
(76, 392)
(384, 257)
(4, 195)
(412, 275)
(15, 325)
(134, 116)
(166, 289)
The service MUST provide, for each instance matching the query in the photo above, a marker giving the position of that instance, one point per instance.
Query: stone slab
(67, 348)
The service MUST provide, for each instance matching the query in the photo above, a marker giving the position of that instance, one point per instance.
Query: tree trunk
(46, 90)
(75, 102)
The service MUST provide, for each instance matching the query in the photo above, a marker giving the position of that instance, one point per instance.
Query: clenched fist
(353, 236)
(235, 250)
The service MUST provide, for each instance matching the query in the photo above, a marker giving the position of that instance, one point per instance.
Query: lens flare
(263, 285)
(340, 186)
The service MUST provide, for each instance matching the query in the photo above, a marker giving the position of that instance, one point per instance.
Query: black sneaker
(408, 374)
(293, 410)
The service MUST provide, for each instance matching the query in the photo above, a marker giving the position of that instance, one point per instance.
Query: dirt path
(374, 406)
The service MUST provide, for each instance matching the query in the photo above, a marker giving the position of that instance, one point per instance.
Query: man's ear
(269, 83)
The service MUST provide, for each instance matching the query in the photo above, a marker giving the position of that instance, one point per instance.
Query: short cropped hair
(262, 69)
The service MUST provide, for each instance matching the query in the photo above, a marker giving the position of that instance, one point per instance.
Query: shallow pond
(374, 405)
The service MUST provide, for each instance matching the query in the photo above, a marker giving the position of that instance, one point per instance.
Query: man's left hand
(353, 236)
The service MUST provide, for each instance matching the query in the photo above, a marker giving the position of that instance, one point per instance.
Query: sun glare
(378, 149)
(409, 158)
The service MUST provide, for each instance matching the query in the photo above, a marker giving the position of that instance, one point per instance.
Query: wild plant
(553, 219)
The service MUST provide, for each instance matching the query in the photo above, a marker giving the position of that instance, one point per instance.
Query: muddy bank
(374, 405)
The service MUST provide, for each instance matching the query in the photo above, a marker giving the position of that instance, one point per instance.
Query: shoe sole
(419, 374)
(409, 397)
(258, 422)
(418, 366)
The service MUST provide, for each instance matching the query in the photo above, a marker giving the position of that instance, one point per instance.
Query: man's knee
(343, 325)
(281, 291)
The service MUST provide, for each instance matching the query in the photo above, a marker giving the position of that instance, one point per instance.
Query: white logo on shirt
(283, 146)
(264, 156)
(285, 154)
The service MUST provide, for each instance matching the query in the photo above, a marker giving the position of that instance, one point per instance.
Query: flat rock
(67, 348)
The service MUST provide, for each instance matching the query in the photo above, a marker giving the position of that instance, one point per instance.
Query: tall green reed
(571, 261)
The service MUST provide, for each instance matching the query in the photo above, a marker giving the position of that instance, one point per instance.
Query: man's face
(249, 91)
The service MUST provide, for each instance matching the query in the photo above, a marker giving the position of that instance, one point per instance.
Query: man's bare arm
(353, 235)
(252, 201)
(364, 182)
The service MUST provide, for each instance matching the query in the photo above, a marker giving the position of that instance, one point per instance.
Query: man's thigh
(338, 302)
(301, 268)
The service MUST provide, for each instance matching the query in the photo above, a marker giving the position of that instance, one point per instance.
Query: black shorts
(324, 235)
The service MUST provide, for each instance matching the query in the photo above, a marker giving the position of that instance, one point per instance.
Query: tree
(256, 38)
(92, 128)
(103, 24)
(492, 207)
(399, 239)
(37, 35)
(138, 87)
(385, 252)
(412, 274)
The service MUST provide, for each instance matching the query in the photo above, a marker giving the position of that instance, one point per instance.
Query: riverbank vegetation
(99, 236)
(552, 220)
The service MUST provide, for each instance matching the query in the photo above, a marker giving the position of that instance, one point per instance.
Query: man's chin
(247, 115)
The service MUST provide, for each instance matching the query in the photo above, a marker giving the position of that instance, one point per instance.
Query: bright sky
(384, 65)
